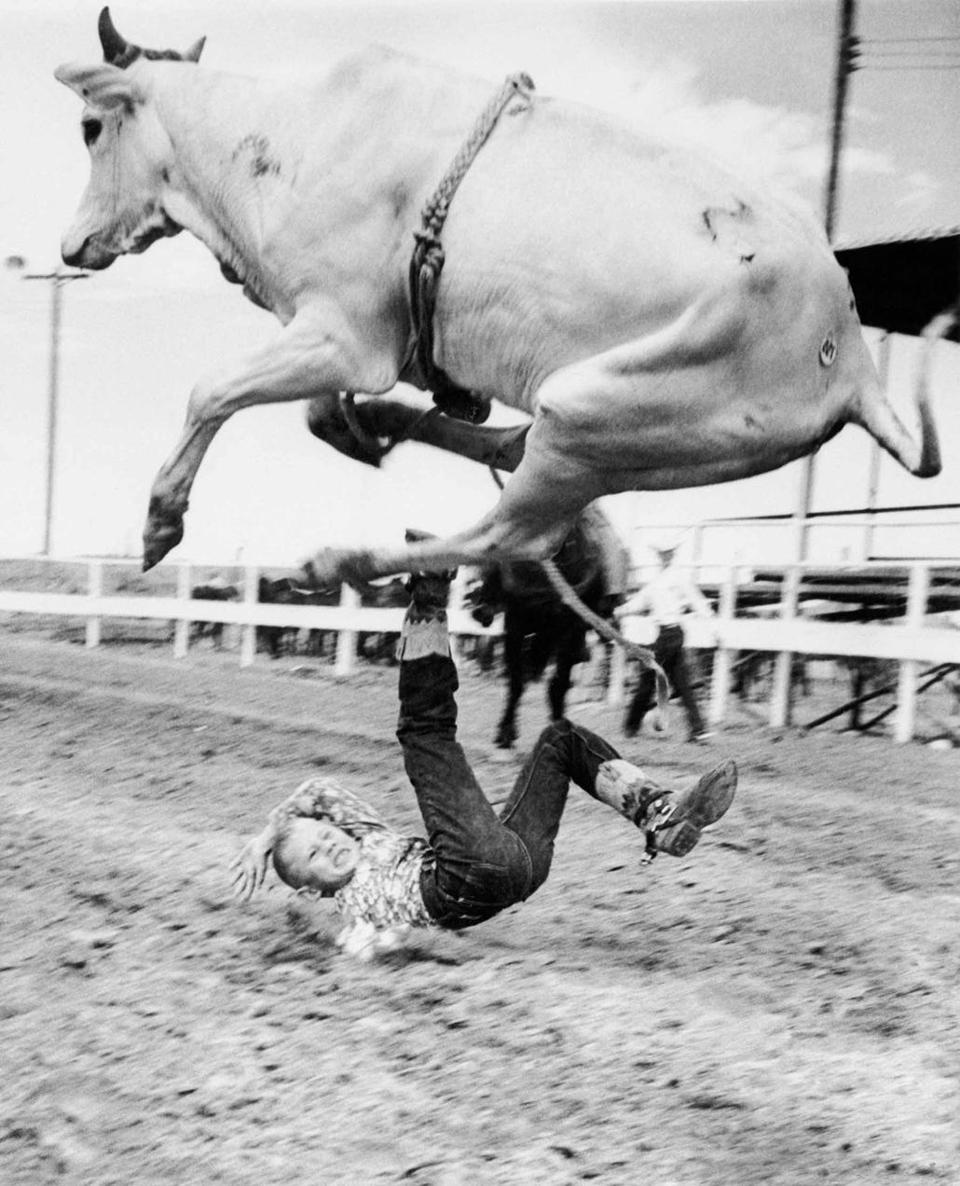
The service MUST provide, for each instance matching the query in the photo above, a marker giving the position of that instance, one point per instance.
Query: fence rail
(911, 642)
(348, 619)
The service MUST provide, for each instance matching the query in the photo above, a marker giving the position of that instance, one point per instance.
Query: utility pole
(57, 278)
(846, 57)
(847, 54)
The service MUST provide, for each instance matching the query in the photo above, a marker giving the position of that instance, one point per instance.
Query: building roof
(903, 281)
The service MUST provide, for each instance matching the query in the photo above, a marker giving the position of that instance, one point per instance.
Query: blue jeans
(480, 862)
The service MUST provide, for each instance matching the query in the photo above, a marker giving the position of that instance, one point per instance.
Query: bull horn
(114, 46)
(193, 53)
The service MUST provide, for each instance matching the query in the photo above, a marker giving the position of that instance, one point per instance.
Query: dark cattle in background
(537, 627)
(754, 671)
(382, 647)
(283, 640)
(212, 591)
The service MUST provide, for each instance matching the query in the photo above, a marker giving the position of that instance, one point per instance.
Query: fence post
(181, 627)
(696, 547)
(94, 589)
(780, 700)
(905, 719)
(248, 631)
(723, 655)
(347, 639)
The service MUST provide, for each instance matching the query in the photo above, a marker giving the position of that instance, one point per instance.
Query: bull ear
(193, 53)
(103, 86)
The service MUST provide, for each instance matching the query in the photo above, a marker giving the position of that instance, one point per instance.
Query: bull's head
(131, 157)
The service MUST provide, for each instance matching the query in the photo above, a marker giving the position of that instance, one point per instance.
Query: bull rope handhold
(428, 259)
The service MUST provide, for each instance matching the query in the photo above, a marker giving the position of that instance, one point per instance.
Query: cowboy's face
(317, 856)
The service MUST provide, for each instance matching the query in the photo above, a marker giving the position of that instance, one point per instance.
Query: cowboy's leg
(641, 702)
(645, 695)
(565, 752)
(477, 867)
(679, 677)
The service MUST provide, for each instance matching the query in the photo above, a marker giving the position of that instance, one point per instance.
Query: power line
(901, 40)
(908, 66)
(919, 54)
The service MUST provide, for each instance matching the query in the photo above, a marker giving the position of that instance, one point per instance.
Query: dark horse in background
(538, 628)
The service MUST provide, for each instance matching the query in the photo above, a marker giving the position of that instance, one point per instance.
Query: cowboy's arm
(316, 798)
(250, 864)
(697, 602)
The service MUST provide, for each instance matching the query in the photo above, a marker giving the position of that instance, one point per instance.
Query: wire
(907, 66)
(905, 53)
(925, 55)
(901, 40)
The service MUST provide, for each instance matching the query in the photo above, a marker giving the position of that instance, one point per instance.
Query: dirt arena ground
(779, 1008)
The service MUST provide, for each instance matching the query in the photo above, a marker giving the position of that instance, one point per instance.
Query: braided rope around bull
(425, 267)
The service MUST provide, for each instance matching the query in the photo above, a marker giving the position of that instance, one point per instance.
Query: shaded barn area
(901, 284)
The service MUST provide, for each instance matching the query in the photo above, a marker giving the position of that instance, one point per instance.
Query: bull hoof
(160, 536)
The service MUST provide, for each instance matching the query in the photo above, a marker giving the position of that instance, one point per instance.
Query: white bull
(664, 324)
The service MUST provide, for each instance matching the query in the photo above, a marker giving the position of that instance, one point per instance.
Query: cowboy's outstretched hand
(249, 866)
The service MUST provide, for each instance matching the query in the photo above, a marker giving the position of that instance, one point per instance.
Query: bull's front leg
(307, 358)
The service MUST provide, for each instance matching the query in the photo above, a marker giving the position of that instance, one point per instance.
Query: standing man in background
(666, 597)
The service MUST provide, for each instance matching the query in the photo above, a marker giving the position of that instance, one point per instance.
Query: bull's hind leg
(537, 509)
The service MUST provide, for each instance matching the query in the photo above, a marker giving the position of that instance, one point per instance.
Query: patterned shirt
(384, 890)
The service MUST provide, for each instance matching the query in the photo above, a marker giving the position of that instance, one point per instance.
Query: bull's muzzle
(89, 254)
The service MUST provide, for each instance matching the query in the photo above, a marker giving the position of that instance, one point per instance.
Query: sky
(749, 79)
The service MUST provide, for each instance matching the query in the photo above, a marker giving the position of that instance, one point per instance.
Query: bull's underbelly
(634, 454)
(672, 470)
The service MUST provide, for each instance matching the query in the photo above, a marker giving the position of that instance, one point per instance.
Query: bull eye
(91, 130)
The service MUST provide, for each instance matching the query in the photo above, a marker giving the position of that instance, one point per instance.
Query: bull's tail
(572, 600)
(874, 412)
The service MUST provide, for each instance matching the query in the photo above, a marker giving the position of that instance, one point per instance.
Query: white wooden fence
(911, 642)
(348, 619)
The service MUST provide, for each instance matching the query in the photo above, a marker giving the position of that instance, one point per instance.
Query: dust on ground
(780, 1007)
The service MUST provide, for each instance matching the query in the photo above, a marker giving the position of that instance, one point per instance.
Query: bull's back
(572, 235)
